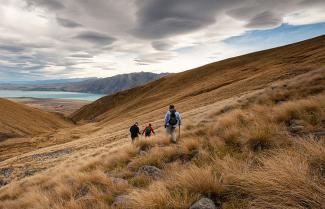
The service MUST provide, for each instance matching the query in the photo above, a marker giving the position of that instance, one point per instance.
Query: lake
(50, 95)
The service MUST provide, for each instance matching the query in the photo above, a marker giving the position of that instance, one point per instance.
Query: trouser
(134, 138)
(172, 132)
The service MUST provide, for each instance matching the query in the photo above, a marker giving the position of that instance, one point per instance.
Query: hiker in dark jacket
(172, 119)
(135, 131)
(148, 130)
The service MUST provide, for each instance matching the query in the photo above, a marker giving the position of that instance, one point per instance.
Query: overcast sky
(49, 39)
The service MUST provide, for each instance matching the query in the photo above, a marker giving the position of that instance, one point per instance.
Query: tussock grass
(282, 182)
(242, 158)
(179, 190)
(140, 181)
(145, 144)
(158, 157)
(310, 111)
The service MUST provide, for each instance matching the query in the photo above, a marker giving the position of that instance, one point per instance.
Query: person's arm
(139, 130)
(144, 130)
(166, 119)
(152, 130)
(179, 119)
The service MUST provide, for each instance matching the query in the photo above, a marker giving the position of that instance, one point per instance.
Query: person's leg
(168, 131)
(173, 135)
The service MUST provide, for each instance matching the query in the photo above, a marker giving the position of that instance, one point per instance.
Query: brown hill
(20, 120)
(246, 142)
(210, 83)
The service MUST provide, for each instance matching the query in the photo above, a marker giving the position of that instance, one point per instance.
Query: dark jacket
(135, 131)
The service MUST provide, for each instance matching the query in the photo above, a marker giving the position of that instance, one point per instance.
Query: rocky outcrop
(3, 183)
(203, 203)
(319, 134)
(6, 172)
(151, 171)
(296, 126)
(143, 153)
(121, 201)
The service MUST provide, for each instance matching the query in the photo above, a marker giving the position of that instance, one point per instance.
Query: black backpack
(172, 119)
(148, 131)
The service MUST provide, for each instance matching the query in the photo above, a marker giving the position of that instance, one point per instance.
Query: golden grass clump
(140, 181)
(282, 182)
(158, 157)
(310, 110)
(179, 190)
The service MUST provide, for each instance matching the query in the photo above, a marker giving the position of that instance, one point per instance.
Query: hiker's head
(149, 124)
(136, 123)
(171, 107)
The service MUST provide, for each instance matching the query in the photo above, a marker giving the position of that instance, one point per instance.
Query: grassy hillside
(253, 137)
(20, 120)
(210, 83)
(265, 151)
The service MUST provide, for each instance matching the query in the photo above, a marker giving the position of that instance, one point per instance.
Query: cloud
(50, 4)
(95, 37)
(265, 19)
(83, 38)
(81, 55)
(152, 58)
(11, 48)
(68, 23)
(163, 18)
(312, 2)
(162, 45)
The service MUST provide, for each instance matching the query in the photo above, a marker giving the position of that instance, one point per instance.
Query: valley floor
(62, 106)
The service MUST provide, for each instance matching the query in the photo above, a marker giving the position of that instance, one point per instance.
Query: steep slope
(20, 120)
(266, 151)
(208, 84)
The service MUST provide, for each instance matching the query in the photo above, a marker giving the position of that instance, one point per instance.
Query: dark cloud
(11, 48)
(81, 55)
(95, 37)
(265, 20)
(68, 23)
(50, 4)
(243, 12)
(162, 18)
(162, 45)
(312, 2)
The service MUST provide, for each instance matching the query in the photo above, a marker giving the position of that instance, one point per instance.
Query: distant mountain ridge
(114, 84)
(45, 82)
(109, 85)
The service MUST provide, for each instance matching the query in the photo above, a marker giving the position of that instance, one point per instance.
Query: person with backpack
(148, 130)
(172, 119)
(135, 131)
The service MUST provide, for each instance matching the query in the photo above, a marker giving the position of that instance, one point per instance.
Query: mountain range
(107, 85)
